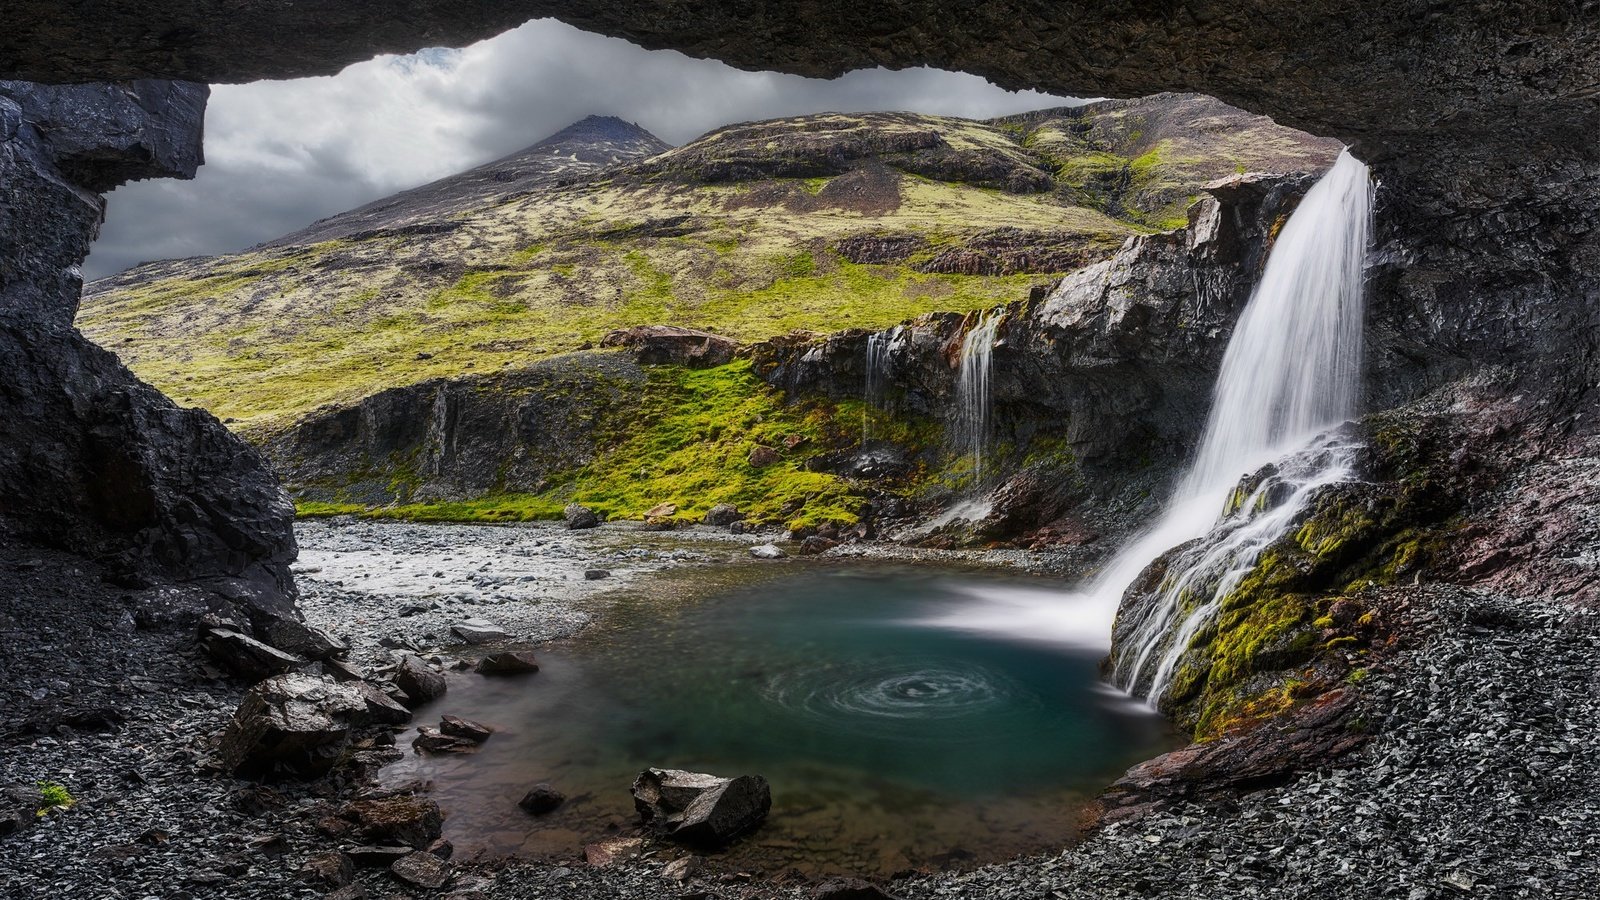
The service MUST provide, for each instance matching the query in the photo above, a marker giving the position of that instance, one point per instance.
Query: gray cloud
(283, 154)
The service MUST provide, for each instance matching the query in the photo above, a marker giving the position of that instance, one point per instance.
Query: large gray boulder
(703, 810)
(294, 725)
(579, 516)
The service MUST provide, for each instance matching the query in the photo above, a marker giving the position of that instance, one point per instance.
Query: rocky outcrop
(465, 437)
(1102, 380)
(670, 345)
(96, 462)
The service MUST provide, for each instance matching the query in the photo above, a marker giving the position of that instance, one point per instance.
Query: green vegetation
(687, 440)
(53, 795)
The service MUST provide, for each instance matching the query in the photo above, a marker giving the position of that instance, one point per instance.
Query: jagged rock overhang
(1387, 75)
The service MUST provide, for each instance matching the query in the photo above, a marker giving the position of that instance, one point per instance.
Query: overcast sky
(282, 154)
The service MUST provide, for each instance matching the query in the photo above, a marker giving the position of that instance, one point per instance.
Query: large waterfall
(1290, 374)
(971, 425)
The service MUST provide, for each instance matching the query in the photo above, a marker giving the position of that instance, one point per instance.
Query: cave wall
(93, 460)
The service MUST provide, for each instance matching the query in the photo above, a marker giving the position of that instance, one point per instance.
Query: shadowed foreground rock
(295, 724)
(96, 462)
(702, 810)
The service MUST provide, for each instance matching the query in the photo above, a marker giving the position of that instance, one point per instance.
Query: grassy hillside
(818, 222)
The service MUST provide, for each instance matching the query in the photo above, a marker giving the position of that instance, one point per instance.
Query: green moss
(53, 795)
(686, 438)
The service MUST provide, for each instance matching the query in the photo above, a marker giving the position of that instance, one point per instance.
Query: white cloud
(281, 154)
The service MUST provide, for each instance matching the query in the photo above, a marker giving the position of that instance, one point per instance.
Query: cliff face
(95, 461)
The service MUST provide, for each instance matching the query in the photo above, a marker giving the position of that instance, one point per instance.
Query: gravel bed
(370, 581)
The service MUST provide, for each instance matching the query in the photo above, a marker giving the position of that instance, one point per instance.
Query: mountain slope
(816, 222)
(581, 149)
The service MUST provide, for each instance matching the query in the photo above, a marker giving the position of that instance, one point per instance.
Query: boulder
(703, 810)
(421, 869)
(393, 821)
(655, 345)
(328, 871)
(662, 511)
(247, 657)
(455, 726)
(432, 740)
(377, 857)
(19, 807)
(596, 574)
(418, 681)
(381, 708)
(723, 514)
(767, 551)
(293, 724)
(342, 670)
(508, 662)
(579, 516)
(816, 544)
(297, 637)
(541, 798)
(761, 457)
(478, 631)
(656, 523)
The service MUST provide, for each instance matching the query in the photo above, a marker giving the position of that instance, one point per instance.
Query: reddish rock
(391, 821)
(816, 544)
(670, 345)
(606, 853)
(761, 457)
(1258, 756)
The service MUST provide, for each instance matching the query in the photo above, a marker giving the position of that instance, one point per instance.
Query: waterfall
(971, 425)
(1290, 373)
(876, 377)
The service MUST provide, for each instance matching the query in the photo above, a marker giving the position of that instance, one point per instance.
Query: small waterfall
(876, 393)
(971, 425)
(1289, 375)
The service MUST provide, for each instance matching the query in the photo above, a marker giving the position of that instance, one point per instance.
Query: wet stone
(422, 869)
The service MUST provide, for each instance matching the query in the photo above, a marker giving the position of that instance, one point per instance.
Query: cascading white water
(1289, 374)
(876, 378)
(971, 425)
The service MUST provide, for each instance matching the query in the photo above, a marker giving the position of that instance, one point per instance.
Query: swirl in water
(872, 696)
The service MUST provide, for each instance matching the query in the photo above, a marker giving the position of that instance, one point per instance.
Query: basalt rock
(541, 798)
(1102, 379)
(698, 809)
(508, 662)
(657, 345)
(297, 725)
(247, 657)
(579, 516)
(418, 681)
(393, 821)
(96, 462)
